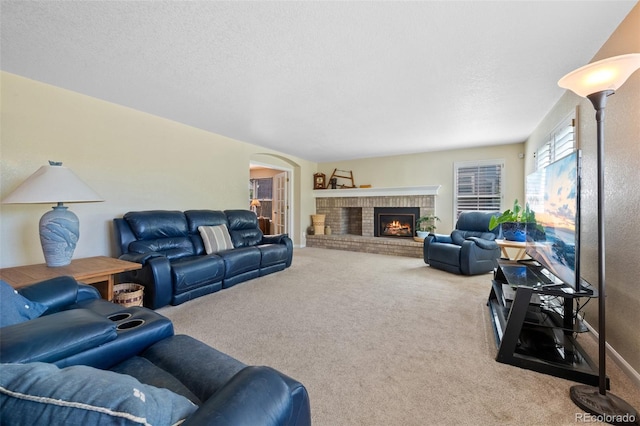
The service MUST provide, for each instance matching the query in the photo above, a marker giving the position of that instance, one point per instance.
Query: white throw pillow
(215, 238)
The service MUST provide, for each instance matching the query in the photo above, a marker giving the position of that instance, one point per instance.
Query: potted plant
(514, 222)
(426, 224)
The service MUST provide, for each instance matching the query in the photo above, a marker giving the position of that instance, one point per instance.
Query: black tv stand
(535, 326)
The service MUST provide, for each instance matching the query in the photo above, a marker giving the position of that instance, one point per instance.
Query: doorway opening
(269, 197)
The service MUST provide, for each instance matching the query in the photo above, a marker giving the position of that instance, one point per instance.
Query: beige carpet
(382, 340)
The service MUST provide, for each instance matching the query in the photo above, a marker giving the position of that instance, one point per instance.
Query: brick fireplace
(351, 215)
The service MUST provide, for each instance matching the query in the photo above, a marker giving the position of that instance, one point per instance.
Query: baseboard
(618, 359)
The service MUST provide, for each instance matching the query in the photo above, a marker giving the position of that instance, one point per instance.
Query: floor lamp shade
(59, 228)
(596, 82)
(607, 74)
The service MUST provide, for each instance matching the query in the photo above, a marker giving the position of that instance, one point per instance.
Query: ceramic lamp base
(59, 232)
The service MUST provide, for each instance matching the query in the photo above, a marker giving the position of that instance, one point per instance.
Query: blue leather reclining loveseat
(178, 266)
(69, 357)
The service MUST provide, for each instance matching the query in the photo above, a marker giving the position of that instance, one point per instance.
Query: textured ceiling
(320, 80)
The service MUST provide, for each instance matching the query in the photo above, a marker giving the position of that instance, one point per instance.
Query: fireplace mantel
(376, 192)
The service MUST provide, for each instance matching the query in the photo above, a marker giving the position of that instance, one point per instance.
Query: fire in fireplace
(395, 221)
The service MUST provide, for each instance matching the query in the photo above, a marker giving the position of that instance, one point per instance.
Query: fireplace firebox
(395, 222)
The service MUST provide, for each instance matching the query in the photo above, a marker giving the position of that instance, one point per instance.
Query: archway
(280, 208)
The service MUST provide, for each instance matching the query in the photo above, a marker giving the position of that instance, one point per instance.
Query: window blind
(562, 142)
(478, 186)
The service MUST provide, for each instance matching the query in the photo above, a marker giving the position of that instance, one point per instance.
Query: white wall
(136, 161)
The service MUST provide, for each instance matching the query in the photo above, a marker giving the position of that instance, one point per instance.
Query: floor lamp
(596, 82)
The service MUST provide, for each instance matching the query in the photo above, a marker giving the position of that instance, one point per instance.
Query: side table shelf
(535, 329)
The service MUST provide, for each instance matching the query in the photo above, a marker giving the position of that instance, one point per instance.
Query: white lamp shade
(607, 74)
(52, 184)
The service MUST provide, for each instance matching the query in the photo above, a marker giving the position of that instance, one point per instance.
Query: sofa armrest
(53, 337)
(155, 276)
(440, 238)
(273, 239)
(141, 258)
(254, 396)
(483, 244)
(280, 239)
(431, 239)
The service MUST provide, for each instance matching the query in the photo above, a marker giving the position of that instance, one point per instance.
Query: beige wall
(434, 168)
(622, 175)
(136, 161)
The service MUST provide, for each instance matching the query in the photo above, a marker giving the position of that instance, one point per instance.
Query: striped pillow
(215, 238)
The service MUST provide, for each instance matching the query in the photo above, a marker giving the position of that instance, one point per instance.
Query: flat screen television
(553, 193)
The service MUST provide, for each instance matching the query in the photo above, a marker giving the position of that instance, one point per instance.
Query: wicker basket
(128, 294)
(318, 223)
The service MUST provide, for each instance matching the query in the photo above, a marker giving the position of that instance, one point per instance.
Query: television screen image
(553, 194)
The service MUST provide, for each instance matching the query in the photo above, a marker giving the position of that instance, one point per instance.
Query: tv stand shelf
(535, 328)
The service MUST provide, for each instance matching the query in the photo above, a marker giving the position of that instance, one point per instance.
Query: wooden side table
(504, 244)
(99, 271)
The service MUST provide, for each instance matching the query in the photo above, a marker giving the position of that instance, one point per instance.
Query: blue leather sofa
(72, 358)
(176, 266)
(470, 249)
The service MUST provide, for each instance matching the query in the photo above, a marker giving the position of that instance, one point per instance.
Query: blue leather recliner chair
(469, 250)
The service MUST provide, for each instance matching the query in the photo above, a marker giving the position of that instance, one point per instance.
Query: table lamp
(596, 82)
(59, 228)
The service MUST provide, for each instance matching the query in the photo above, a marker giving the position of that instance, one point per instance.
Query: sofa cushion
(187, 359)
(40, 393)
(195, 271)
(148, 225)
(147, 372)
(243, 228)
(241, 260)
(196, 218)
(15, 308)
(215, 238)
(457, 237)
(171, 247)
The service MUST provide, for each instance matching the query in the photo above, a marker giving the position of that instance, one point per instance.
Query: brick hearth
(392, 246)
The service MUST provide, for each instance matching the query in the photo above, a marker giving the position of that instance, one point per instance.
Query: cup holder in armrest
(119, 316)
(128, 325)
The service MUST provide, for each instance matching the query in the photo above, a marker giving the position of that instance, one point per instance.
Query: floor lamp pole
(599, 101)
(598, 401)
